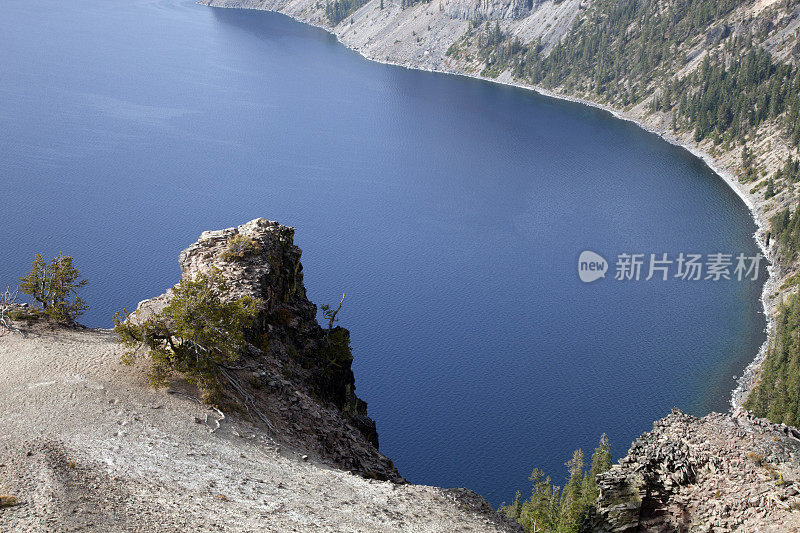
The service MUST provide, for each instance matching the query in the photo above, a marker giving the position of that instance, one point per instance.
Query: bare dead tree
(330, 314)
(7, 301)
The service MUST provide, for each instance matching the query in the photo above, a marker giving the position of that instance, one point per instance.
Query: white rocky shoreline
(756, 205)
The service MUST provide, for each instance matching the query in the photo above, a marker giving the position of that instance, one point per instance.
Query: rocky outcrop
(297, 374)
(717, 473)
(490, 9)
(718, 33)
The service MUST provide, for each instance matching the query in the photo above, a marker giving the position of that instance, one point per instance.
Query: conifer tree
(570, 512)
(55, 285)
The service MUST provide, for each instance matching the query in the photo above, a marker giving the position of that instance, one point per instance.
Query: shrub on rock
(199, 331)
(240, 247)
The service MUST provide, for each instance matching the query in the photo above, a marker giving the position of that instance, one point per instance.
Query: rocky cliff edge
(296, 379)
(87, 445)
(721, 472)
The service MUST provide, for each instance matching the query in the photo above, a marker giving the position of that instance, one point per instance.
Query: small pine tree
(601, 462)
(330, 314)
(769, 192)
(54, 285)
(570, 512)
(789, 169)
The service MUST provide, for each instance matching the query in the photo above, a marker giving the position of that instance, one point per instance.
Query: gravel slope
(86, 445)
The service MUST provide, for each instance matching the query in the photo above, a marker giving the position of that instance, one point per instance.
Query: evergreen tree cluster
(562, 510)
(785, 227)
(196, 334)
(725, 100)
(624, 52)
(338, 10)
(54, 285)
(495, 48)
(408, 3)
(789, 174)
(776, 397)
(790, 171)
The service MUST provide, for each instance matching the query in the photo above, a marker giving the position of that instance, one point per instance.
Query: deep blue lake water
(452, 212)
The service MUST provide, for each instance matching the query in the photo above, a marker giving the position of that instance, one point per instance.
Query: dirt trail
(85, 445)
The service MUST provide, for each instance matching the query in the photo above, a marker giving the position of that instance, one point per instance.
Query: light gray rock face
(717, 34)
(274, 273)
(419, 35)
(720, 473)
(490, 9)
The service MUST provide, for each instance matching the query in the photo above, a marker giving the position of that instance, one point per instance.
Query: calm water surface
(452, 211)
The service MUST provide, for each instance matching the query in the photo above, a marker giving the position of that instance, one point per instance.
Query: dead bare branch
(247, 399)
(7, 301)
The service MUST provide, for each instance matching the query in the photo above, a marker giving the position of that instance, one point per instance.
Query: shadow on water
(268, 25)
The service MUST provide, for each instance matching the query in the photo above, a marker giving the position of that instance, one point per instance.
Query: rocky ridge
(289, 379)
(490, 9)
(716, 473)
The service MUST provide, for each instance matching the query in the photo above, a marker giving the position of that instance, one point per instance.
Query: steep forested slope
(722, 74)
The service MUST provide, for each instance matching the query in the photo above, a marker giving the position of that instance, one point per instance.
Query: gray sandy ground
(85, 445)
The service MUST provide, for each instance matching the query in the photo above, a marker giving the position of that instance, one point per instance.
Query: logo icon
(591, 266)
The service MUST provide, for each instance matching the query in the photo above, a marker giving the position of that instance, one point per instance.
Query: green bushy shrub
(195, 335)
